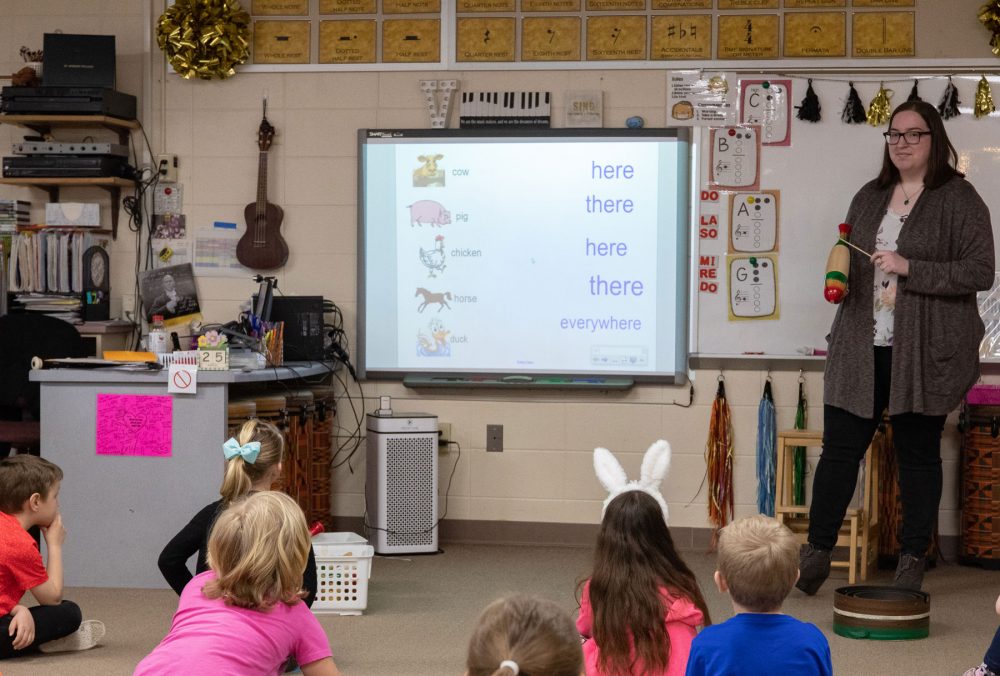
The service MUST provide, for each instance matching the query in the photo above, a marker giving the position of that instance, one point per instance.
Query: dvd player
(67, 101)
(67, 166)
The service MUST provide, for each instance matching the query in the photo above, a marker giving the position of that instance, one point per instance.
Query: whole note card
(133, 424)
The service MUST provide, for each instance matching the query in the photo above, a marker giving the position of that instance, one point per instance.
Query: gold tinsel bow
(205, 38)
(984, 99)
(989, 16)
(878, 110)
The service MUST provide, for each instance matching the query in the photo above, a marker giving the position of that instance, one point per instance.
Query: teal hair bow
(248, 451)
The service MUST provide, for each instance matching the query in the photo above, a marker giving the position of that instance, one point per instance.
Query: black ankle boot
(814, 568)
(910, 572)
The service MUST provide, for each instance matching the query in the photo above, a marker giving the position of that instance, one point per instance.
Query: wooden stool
(860, 530)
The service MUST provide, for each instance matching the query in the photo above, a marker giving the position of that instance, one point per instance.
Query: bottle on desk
(157, 341)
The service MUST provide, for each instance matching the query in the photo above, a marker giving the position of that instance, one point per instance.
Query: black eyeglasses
(912, 137)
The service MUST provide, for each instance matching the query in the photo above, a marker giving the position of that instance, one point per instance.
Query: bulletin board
(812, 180)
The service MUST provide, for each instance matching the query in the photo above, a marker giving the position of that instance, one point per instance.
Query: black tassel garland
(949, 101)
(809, 111)
(854, 110)
(914, 96)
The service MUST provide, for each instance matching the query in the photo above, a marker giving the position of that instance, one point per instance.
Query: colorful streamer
(799, 452)
(719, 458)
(767, 441)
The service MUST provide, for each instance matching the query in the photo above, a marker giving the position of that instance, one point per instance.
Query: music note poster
(616, 38)
(133, 424)
(347, 41)
(815, 34)
(485, 39)
(554, 38)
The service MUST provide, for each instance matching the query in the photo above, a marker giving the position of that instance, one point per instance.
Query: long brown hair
(635, 558)
(536, 634)
(943, 156)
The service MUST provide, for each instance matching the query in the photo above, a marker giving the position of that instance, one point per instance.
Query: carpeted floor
(421, 611)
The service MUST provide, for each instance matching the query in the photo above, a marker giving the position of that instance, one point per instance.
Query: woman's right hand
(998, 605)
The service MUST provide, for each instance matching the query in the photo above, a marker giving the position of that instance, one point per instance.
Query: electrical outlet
(167, 166)
(494, 438)
(444, 433)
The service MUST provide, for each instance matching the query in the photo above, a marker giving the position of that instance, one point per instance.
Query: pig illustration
(429, 212)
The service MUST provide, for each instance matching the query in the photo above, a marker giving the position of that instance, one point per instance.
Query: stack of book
(14, 213)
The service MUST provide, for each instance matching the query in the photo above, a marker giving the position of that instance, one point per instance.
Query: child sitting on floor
(245, 615)
(758, 565)
(29, 496)
(524, 636)
(642, 605)
(253, 463)
(991, 660)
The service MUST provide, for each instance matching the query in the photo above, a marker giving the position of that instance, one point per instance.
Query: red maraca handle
(316, 528)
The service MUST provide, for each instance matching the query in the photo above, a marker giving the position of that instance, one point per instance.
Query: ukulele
(262, 246)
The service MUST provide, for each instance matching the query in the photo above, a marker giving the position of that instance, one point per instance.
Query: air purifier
(401, 482)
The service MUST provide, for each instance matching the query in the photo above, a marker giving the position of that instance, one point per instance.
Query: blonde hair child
(524, 636)
(257, 552)
(253, 460)
(757, 567)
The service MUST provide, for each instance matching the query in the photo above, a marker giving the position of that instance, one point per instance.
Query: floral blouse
(885, 283)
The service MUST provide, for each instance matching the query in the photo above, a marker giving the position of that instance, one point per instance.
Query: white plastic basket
(343, 566)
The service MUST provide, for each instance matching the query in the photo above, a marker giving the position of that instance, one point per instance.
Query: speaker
(303, 318)
(401, 483)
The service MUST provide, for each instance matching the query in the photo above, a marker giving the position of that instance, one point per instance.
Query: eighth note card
(735, 157)
(753, 287)
(753, 221)
(767, 103)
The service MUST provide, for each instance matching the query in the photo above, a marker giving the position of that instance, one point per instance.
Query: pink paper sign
(131, 424)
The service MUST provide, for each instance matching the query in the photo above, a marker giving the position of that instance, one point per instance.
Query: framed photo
(170, 292)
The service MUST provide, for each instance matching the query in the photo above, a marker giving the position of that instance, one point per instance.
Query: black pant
(51, 622)
(917, 440)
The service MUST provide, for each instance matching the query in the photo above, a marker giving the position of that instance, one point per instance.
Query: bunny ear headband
(611, 474)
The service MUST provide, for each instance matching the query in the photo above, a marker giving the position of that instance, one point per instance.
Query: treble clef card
(735, 157)
(753, 221)
(767, 103)
(753, 287)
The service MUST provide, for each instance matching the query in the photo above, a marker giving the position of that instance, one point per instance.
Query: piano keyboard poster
(498, 109)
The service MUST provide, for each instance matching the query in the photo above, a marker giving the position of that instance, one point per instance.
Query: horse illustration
(439, 298)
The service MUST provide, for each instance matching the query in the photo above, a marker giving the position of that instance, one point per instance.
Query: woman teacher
(906, 337)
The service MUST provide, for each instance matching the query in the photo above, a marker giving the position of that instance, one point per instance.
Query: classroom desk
(119, 511)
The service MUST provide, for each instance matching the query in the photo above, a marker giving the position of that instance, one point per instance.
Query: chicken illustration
(433, 259)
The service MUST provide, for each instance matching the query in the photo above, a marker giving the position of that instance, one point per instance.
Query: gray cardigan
(948, 241)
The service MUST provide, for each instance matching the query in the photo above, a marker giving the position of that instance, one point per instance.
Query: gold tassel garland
(205, 38)
(984, 99)
(989, 16)
(879, 110)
